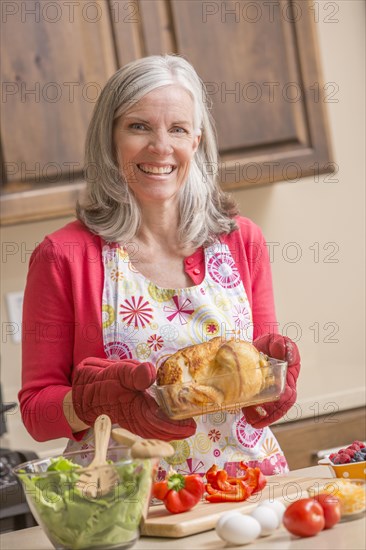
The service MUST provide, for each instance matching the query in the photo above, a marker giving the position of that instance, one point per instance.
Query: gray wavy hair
(109, 207)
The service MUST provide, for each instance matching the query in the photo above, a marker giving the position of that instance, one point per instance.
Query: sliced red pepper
(211, 474)
(222, 488)
(222, 482)
(218, 479)
(253, 477)
(241, 492)
(261, 481)
(210, 489)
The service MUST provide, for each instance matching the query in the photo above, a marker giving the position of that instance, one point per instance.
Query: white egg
(239, 529)
(275, 505)
(267, 518)
(222, 519)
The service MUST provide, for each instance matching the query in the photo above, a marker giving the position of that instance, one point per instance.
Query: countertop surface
(350, 535)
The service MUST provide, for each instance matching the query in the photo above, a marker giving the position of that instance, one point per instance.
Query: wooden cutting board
(160, 523)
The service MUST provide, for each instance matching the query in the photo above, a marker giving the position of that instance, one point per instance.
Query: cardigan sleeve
(263, 306)
(253, 262)
(47, 344)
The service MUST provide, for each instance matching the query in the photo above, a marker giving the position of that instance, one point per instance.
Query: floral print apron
(146, 322)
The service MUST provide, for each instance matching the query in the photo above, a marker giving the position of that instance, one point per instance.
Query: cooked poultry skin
(205, 366)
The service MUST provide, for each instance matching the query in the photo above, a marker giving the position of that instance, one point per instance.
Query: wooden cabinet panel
(126, 24)
(158, 16)
(240, 73)
(259, 60)
(301, 440)
(262, 72)
(54, 65)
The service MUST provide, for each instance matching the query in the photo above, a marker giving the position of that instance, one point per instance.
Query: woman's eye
(138, 126)
(179, 130)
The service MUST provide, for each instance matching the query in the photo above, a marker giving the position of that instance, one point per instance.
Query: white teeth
(155, 169)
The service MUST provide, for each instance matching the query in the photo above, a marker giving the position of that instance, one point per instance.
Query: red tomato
(304, 518)
(331, 508)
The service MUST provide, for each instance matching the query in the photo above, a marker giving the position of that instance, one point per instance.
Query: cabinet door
(259, 61)
(56, 57)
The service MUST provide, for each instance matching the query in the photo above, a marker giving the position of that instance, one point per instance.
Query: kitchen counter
(350, 535)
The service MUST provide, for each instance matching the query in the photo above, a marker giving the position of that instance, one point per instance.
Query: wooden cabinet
(259, 61)
(52, 74)
(302, 440)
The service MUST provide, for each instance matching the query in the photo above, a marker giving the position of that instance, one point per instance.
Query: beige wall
(320, 224)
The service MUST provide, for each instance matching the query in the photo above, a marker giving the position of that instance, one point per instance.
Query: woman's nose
(160, 143)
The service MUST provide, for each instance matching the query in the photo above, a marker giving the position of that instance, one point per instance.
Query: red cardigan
(62, 313)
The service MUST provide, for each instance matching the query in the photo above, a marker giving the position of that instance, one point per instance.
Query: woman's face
(155, 143)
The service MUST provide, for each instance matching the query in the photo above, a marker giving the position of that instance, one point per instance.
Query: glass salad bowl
(70, 517)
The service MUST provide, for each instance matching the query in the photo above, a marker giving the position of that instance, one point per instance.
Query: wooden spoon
(99, 477)
(142, 448)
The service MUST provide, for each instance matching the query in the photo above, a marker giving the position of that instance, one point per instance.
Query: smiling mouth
(156, 170)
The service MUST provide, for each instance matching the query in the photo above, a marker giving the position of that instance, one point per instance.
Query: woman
(158, 260)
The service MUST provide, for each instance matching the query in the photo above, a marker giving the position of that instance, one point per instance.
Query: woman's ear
(197, 140)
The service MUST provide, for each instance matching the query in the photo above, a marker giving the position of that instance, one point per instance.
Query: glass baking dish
(198, 397)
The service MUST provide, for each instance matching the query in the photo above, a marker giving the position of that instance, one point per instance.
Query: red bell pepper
(218, 479)
(222, 488)
(211, 474)
(238, 491)
(253, 477)
(179, 492)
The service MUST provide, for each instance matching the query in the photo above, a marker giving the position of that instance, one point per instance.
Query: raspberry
(344, 459)
(332, 455)
(361, 444)
(355, 447)
(336, 460)
(350, 452)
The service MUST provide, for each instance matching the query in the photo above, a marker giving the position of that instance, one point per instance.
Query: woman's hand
(118, 389)
(278, 347)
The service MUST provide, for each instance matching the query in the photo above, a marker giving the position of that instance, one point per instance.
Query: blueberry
(358, 456)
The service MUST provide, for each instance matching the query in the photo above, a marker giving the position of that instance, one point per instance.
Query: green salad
(73, 520)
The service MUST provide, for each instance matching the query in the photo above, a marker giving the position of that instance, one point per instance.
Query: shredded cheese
(352, 495)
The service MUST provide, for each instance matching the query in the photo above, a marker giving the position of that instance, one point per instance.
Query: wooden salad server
(99, 477)
(142, 448)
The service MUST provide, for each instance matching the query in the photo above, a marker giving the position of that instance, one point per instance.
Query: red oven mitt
(278, 347)
(117, 388)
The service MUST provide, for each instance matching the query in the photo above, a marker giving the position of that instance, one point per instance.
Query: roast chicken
(217, 372)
